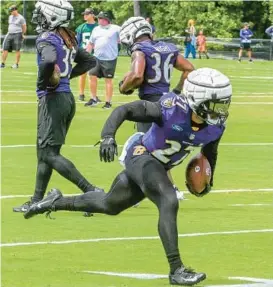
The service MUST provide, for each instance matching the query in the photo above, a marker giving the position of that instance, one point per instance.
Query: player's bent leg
(152, 177)
(123, 194)
(52, 156)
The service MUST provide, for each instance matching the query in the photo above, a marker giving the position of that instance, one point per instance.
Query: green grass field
(227, 234)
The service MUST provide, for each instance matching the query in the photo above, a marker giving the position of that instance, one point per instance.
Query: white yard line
(213, 191)
(92, 146)
(251, 204)
(30, 103)
(134, 238)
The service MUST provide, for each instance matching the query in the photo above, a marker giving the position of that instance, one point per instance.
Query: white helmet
(208, 92)
(133, 28)
(50, 14)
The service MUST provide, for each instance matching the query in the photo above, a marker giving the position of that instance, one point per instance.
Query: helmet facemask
(214, 112)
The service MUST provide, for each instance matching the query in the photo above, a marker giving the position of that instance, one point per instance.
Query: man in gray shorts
(16, 34)
(105, 42)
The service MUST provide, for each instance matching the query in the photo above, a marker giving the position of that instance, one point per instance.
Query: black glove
(108, 149)
(124, 93)
(205, 191)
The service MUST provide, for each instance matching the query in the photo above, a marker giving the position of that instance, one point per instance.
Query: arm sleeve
(84, 62)
(138, 111)
(46, 67)
(210, 151)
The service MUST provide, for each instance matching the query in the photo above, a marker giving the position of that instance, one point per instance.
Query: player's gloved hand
(108, 149)
(124, 93)
(177, 92)
(205, 191)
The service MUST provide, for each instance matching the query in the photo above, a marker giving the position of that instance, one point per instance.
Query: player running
(180, 123)
(152, 64)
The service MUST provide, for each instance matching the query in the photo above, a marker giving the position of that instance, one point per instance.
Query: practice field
(228, 234)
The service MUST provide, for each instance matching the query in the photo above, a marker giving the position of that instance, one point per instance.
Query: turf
(245, 162)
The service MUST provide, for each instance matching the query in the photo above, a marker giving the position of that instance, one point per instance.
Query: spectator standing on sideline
(149, 20)
(83, 35)
(202, 44)
(187, 43)
(269, 32)
(105, 42)
(245, 36)
(192, 32)
(15, 36)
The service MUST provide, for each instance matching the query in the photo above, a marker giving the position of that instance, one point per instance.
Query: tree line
(220, 19)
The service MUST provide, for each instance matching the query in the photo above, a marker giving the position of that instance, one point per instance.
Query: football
(198, 173)
(54, 80)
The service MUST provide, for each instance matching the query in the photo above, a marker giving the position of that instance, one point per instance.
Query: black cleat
(184, 276)
(91, 103)
(88, 214)
(24, 207)
(45, 205)
(107, 106)
(81, 98)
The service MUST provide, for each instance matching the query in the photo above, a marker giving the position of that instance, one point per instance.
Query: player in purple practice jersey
(195, 118)
(56, 45)
(152, 64)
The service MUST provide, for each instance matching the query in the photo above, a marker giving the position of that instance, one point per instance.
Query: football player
(151, 67)
(152, 64)
(56, 45)
(195, 118)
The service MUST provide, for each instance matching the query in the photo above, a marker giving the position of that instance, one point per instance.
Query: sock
(174, 261)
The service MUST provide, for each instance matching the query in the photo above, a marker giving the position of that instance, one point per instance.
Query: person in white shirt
(16, 34)
(105, 42)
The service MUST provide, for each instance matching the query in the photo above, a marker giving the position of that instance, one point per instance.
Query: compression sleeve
(210, 151)
(46, 67)
(84, 62)
(138, 111)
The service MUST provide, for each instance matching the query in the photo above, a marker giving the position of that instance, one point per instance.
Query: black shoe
(3, 65)
(44, 205)
(107, 105)
(88, 214)
(250, 61)
(91, 103)
(239, 60)
(98, 100)
(184, 276)
(81, 98)
(24, 207)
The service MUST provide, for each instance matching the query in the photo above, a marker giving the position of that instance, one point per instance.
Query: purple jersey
(65, 58)
(172, 142)
(160, 58)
